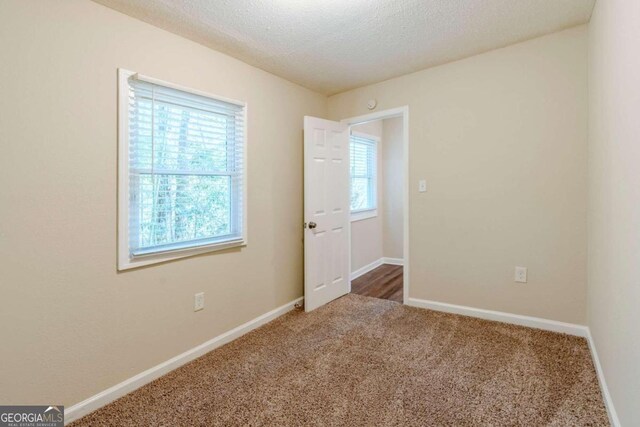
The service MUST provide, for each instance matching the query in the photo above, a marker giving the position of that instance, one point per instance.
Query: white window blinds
(185, 169)
(363, 173)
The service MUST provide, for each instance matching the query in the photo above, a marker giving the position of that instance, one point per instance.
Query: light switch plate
(422, 186)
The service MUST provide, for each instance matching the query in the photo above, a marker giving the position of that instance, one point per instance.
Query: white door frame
(389, 114)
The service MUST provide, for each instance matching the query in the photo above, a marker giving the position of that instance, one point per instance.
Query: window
(363, 160)
(181, 172)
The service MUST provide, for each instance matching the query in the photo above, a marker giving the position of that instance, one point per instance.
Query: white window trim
(125, 261)
(363, 214)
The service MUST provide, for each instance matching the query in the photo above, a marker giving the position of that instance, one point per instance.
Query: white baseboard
(367, 268)
(109, 395)
(516, 319)
(375, 264)
(608, 402)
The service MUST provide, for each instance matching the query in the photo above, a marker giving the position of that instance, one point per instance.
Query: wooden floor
(384, 282)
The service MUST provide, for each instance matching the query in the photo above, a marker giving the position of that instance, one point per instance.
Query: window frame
(362, 214)
(125, 259)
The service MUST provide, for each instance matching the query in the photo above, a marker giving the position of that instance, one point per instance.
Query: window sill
(362, 215)
(127, 263)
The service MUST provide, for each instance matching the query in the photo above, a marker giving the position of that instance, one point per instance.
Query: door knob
(312, 225)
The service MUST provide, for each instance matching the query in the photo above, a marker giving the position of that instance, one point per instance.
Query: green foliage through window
(185, 164)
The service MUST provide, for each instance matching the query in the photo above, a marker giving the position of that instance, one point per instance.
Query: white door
(326, 211)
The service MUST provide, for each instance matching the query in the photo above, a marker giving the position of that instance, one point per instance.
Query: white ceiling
(334, 45)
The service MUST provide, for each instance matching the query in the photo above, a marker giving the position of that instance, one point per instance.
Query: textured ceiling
(334, 45)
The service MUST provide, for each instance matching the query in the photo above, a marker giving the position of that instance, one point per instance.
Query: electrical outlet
(198, 303)
(521, 275)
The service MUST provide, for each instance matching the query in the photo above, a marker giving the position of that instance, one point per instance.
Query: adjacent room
(377, 204)
(319, 212)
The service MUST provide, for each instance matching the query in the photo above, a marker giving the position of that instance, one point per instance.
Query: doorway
(327, 204)
(376, 238)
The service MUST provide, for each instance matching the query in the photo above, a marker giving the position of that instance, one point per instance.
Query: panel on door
(326, 211)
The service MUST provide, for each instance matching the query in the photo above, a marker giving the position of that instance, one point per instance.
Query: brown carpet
(362, 361)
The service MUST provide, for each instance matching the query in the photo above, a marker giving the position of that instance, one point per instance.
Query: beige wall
(70, 325)
(366, 234)
(614, 199)
(501, 140)
(393, 187)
